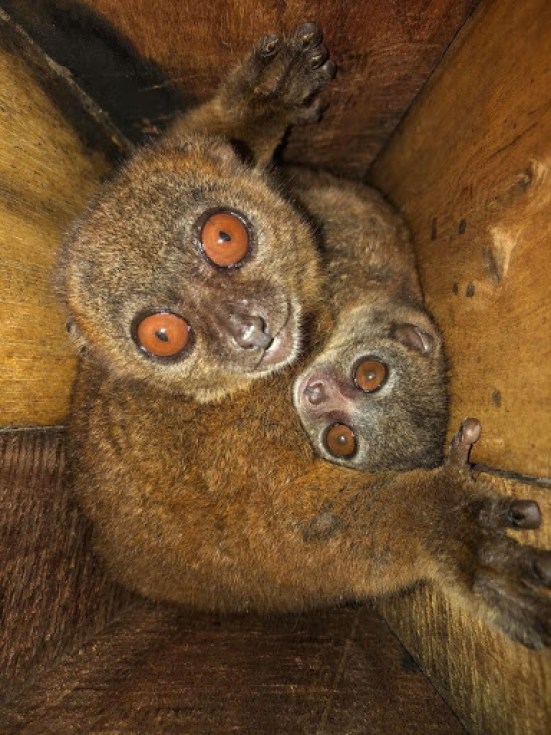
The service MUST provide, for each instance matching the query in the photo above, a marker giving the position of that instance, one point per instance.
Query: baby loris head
(375, 398)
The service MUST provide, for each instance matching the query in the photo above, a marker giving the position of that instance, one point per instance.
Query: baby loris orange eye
(225, 239)
(161, 334)
(340, 441)
(370, 375)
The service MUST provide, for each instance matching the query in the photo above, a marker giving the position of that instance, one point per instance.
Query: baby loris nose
(249, 331)
(316, 392)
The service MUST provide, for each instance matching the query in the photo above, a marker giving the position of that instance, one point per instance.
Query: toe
(308, 35)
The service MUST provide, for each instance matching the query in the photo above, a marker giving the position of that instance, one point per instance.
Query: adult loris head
(189, 272)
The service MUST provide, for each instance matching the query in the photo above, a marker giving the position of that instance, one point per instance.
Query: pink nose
(315, 392)
(249, 330)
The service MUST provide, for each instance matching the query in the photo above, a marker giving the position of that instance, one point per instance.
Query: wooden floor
(78, 655)
(157, 670)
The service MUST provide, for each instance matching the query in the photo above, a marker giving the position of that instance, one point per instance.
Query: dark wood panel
(54, 592)
(385, 52)
(158, 670)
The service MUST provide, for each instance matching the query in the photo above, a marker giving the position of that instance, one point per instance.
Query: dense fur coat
(198, 476)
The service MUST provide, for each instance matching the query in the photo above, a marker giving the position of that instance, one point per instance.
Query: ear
(74, 333)
(412, 335)
(224, 152)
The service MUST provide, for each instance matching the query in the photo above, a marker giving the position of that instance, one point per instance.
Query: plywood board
(470, 168)
(46, 174)
(55, 593)
(160, 671)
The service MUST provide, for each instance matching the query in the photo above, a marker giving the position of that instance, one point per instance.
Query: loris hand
(282, 76)
(276, 86)
(494, 574)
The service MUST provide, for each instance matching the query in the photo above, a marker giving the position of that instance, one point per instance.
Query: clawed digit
(463, 441)
(505, 577)
(269, 45)
(508, 582)
(292, 70)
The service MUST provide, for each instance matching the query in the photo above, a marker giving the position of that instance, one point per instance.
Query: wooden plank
(47, 173)
(470, 169)
(54, 592)
(160, 670)
(494, 685)
(385, 52)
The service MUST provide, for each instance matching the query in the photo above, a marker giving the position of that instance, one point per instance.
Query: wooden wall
(47, 174)
(469, 166)
(385, 52)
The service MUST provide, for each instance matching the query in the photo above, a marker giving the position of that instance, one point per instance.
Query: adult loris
(190, 271)
(189, 500)
(375, 397)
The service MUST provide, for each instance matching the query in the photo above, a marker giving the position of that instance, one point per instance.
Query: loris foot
(282, 76)
(276, 86)
(501, 578)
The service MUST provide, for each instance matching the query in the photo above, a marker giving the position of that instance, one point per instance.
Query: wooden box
(445, 106)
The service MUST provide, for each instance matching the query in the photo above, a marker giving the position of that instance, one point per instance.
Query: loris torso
(224, 506)
(220, 504)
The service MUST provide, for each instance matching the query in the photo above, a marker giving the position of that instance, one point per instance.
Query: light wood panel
(470, 169)
(46, 176)
(495, 686)
(469, 166)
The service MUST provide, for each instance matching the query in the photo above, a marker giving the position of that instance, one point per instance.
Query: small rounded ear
(412, 335)
(75, 335)
(224, 152)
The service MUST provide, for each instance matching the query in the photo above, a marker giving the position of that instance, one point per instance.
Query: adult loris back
(200, 481)
(375, 395)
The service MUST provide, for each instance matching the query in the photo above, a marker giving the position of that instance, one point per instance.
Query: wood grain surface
(385, 53)
(496, 687)
(470, 168)
(54, 592)
(160, 671)
(46, 175)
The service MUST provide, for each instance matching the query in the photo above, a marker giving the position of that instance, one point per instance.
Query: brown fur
(222, 505)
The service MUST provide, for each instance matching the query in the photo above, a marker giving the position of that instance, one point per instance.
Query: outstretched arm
(276, 86)
(445, 525)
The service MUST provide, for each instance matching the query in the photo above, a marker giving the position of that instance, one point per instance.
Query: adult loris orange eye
(162, 334)
(370, 375)
(340, 441)
(225, 239)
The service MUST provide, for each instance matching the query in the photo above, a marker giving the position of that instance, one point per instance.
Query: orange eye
(161, 334)
(340, 441)
(225, 239)
(370, 375)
